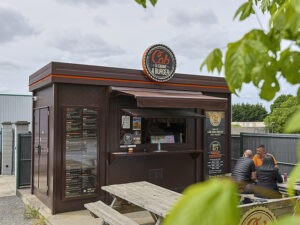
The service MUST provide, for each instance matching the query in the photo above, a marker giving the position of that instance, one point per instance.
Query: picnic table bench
(108, 214)
(155, 199)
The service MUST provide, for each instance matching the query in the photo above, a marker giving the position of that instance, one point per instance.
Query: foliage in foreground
(212, 202)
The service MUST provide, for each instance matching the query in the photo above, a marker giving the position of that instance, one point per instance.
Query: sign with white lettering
(215, 143)
(159, 63)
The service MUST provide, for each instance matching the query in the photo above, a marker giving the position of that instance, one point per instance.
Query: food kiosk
(95, 126)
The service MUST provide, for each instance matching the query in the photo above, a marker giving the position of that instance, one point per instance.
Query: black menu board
(215, 143)
(81, 151)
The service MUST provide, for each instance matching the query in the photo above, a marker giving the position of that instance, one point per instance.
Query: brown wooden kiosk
(86, 119)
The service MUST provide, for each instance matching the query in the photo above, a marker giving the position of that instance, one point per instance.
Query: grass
(32, 213)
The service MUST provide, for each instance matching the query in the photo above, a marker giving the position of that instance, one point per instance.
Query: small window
(138, 130)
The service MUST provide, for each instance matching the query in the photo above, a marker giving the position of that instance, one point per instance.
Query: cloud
(85, 2)
(182, 18)
(198, 45)
(13, 24)
(6, 64)
(100, 21)
(85, 46)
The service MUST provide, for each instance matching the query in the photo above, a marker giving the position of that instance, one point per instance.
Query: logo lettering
(157, 57)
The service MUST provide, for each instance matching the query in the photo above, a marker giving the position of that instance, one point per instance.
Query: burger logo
(159, 63)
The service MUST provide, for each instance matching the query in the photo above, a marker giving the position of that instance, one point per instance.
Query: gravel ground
(12, 211)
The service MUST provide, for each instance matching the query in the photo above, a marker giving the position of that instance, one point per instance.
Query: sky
(115, 33)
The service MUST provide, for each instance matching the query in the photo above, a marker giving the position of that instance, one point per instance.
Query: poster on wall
(125, 123)
(215, 143)
(136, 123)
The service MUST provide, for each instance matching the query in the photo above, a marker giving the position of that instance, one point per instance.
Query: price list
(81, 151)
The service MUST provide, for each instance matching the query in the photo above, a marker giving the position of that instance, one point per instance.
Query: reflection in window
(164, 130)
(81, 151)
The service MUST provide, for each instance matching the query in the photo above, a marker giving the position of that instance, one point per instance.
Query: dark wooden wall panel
(82, 96)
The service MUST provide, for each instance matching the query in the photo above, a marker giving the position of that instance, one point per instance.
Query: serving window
(152, 126)
(80, 154)
(138, 130)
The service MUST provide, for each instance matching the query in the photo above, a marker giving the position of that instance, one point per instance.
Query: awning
(157, 98)
(162, 113)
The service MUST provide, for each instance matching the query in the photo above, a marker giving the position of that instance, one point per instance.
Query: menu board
(81, 151)
(215, 143)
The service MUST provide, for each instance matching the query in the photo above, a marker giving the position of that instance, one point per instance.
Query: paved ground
(7, 185)
(12, 209)
(80, 217)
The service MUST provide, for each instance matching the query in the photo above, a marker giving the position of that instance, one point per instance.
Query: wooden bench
(108, 214)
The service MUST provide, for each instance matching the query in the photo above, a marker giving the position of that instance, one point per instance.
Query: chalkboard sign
(215, 143)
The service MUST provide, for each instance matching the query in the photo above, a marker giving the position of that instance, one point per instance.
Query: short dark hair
(261, 146)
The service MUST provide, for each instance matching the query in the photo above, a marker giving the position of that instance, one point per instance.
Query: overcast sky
(115, 33)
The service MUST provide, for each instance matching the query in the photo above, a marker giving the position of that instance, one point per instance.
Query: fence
(24, 160)
(282, 146)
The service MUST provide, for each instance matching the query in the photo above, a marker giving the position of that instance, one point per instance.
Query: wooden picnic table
(153, 198)
(283, 187)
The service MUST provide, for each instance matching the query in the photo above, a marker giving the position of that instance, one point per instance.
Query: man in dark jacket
(244, 170)
(267, 178)
(244, 173)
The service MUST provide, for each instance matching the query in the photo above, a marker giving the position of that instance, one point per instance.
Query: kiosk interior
(96, 126)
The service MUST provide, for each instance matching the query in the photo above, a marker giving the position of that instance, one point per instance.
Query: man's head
(261, 151)
(248, 153)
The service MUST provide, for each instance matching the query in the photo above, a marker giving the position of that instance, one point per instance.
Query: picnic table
(155, 199)
(283, 187)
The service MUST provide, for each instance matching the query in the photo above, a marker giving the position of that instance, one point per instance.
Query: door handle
(39, 149)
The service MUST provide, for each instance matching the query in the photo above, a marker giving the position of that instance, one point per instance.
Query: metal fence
(24, 160)
(282, 146)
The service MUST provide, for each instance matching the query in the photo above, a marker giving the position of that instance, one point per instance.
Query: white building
(15, 108)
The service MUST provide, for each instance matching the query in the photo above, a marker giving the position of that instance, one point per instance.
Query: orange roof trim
(121, 80)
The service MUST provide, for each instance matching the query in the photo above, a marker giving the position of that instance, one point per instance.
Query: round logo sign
(215, 118)
(257, 216)
(159, 63)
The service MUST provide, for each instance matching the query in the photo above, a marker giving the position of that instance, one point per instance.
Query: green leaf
(293, 124)
(213, 61)
(153, 2)
(265, 4)
(142, 2)
(245, 10)
(287, 19)
(287, 220)
(269, 88)
(201, 201)
(294, 175)
(290, 65)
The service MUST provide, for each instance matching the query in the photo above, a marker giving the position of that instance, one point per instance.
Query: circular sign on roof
(159, 63)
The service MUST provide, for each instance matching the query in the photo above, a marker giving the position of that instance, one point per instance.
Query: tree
(281, 113)
(277, 102)
(258, 58)
(248, 113)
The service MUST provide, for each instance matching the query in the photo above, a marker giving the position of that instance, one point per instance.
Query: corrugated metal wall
(282, 146)
(15, 108)
(235, 149)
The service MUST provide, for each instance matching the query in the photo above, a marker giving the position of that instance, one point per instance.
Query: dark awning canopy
(157, 98)
(162, 113)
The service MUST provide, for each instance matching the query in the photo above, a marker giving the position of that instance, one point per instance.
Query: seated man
(244, 173)
(260, 154)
